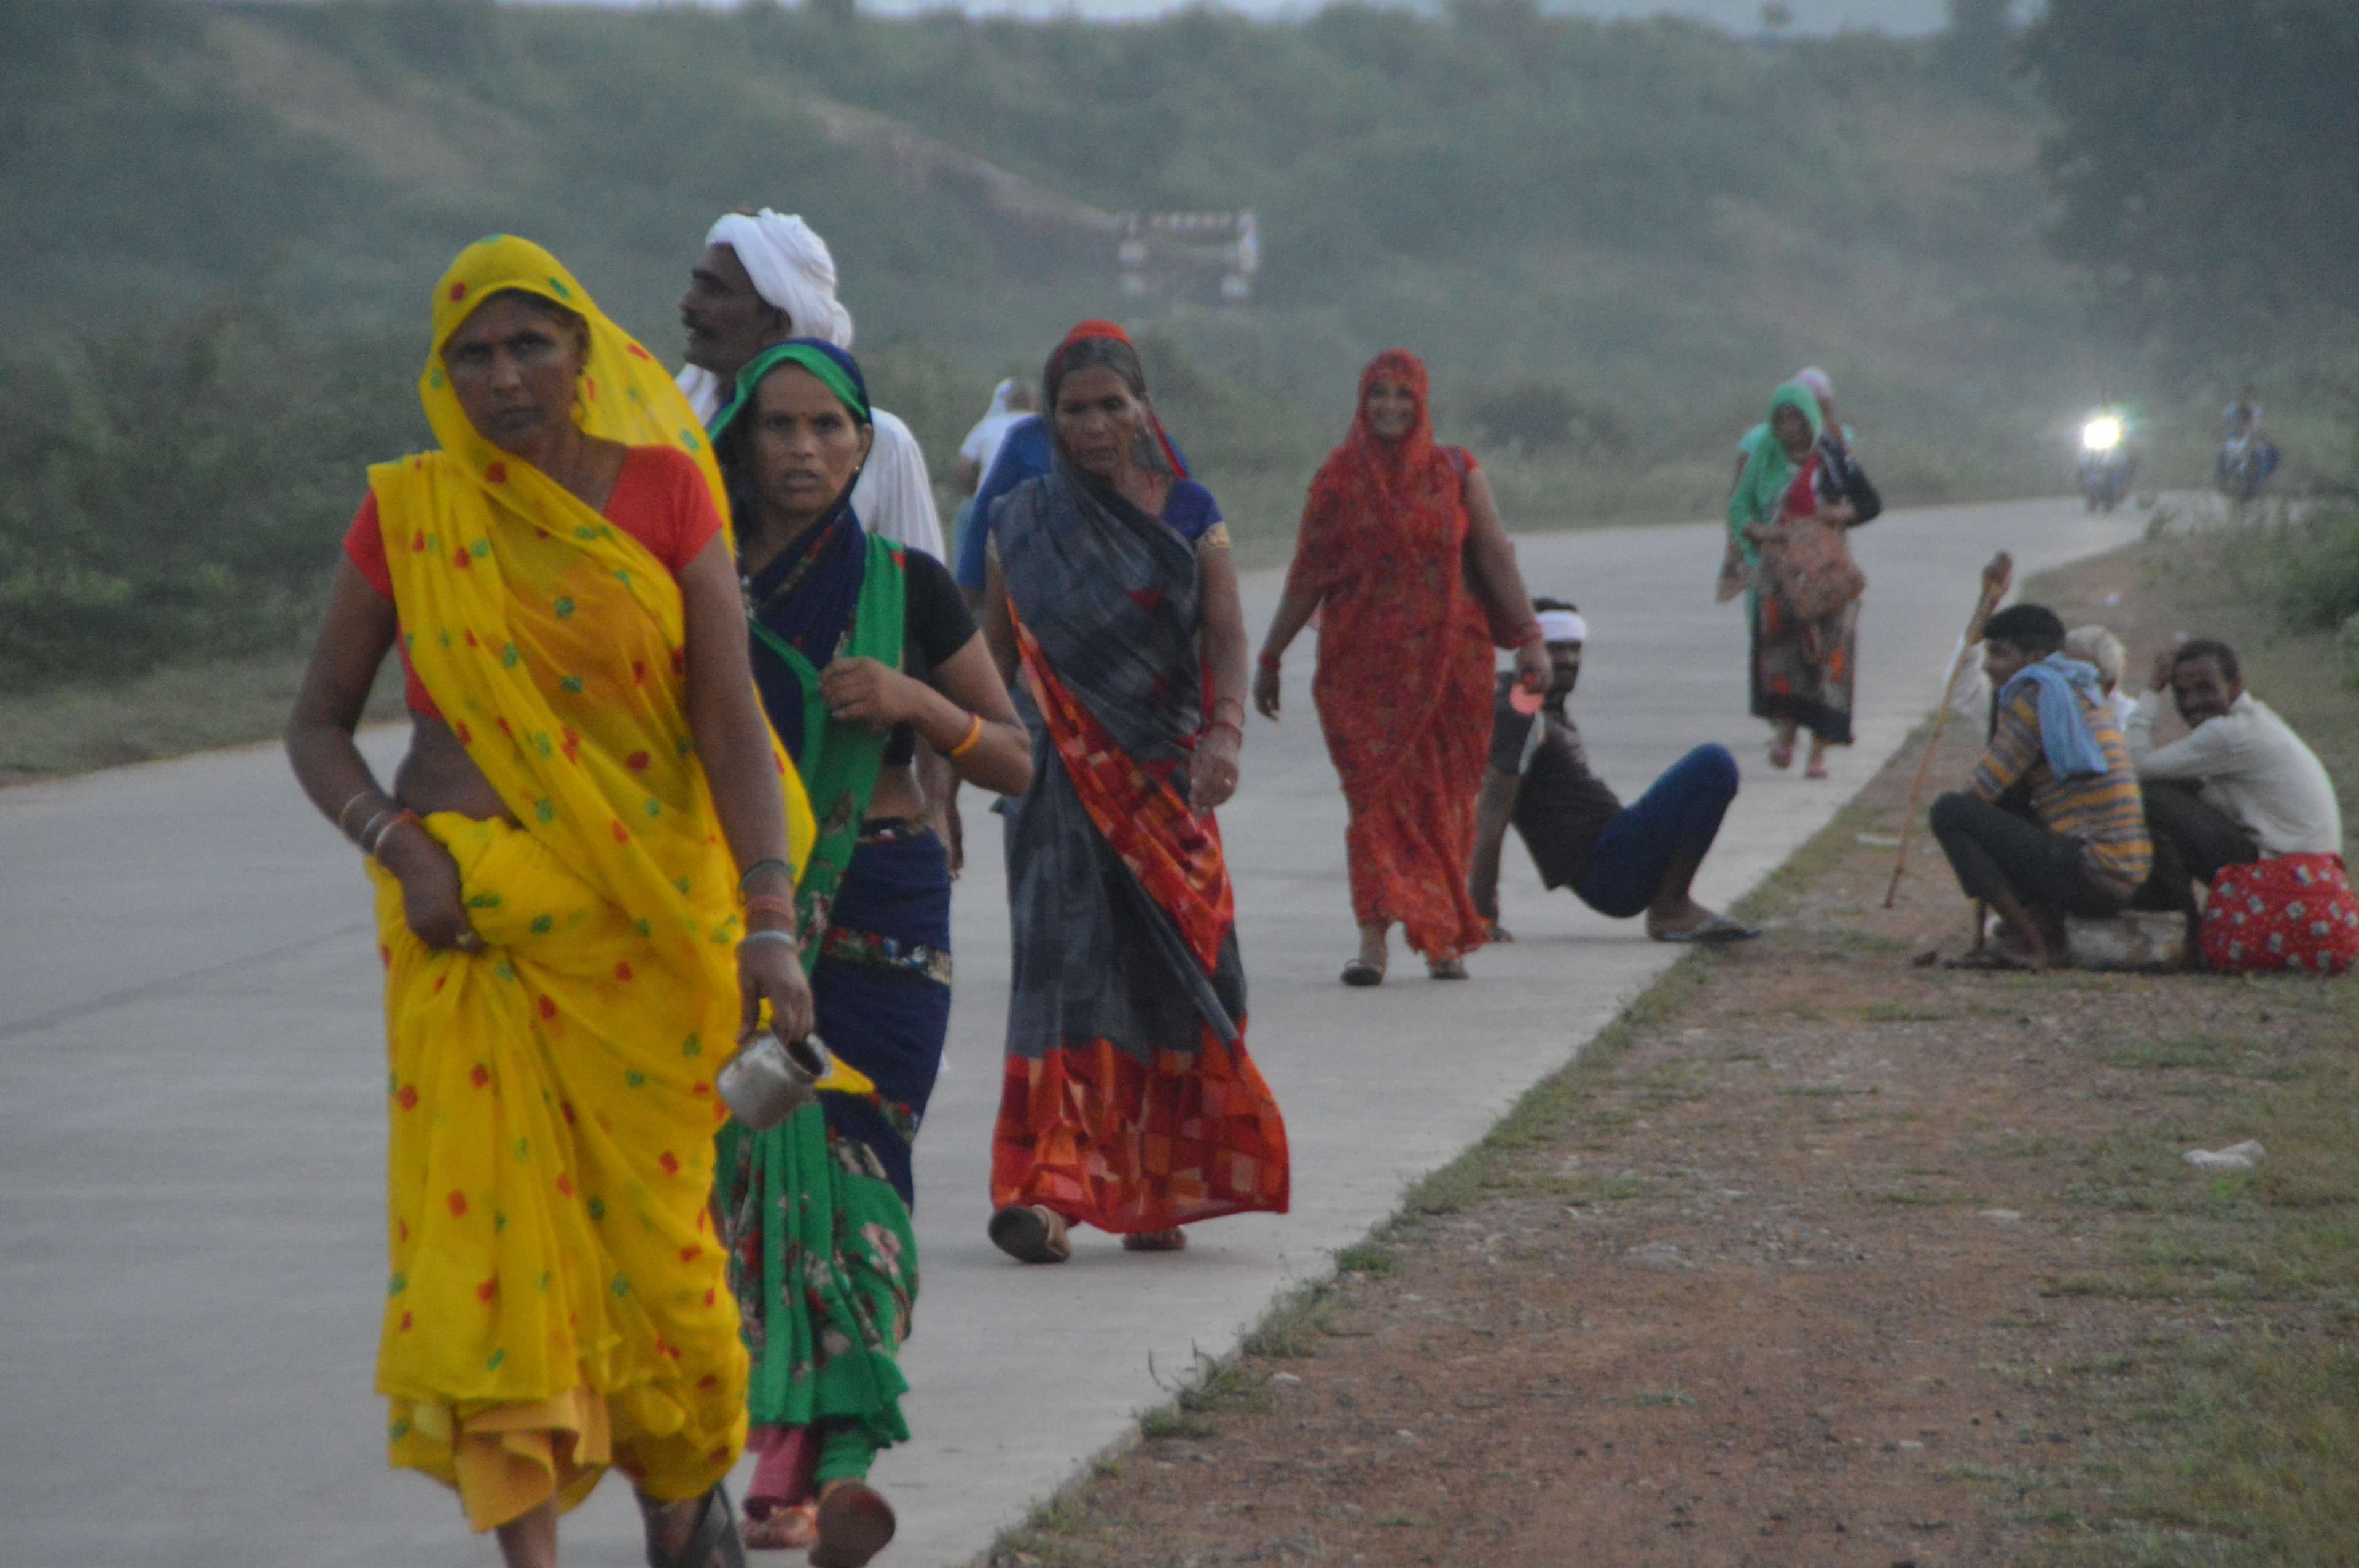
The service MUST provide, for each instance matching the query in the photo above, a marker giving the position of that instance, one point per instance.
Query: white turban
(1820, 387)
(791, 268)
(1563, 626)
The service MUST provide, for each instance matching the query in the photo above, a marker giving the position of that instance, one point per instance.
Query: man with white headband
(767, 276)
(1619, 859)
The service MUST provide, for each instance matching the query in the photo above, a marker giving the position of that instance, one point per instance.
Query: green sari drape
(823, 1256)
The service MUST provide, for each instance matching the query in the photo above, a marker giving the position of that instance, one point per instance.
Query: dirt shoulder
(1821, 1257)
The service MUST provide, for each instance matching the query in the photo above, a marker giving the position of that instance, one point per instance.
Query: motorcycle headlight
(2102, 434)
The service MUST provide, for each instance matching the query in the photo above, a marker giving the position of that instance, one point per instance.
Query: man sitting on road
(2239, 787)
(1618, 859)
(764, 277)
(2083, 850)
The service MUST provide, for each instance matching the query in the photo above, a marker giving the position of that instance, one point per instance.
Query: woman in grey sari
(1129, 1102)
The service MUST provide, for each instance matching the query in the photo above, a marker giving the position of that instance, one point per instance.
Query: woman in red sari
(1402, 557)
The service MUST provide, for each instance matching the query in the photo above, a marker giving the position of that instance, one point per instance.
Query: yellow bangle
(974, 734)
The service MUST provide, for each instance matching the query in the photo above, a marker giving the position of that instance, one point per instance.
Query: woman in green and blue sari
(860, 649)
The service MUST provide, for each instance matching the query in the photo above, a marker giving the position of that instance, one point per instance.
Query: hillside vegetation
(1609, 240)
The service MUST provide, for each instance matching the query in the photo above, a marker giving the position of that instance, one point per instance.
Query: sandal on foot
(1031, 1235)
(855, 1523)
(1359, 972)
(1447, 970)
(1991, 961)
(1172, 1240)
(714, 1539)
(1817, 769)
(788, 1528)
(1781, 754)
(1719, 931)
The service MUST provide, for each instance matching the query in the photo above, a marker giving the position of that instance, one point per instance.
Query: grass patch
(1663, 1398)
(57, 732)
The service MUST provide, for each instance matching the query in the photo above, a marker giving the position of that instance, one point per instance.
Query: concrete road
(191, 1111)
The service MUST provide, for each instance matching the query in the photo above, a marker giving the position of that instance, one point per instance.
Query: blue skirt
(882, 986)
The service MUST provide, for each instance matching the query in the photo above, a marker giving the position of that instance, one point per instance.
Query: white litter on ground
(2235, 1157)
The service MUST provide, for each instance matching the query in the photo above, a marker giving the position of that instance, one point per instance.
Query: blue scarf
(2064, 733)
(806, 596)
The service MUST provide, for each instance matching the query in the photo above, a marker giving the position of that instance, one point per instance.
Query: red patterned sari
(1405, 667)
(1129, 1101)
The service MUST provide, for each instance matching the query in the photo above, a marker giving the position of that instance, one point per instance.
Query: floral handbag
(1807, 561)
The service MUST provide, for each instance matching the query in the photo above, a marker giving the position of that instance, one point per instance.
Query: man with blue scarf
(2053, 823)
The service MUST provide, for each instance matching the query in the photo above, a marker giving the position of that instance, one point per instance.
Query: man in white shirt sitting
(2241, 787)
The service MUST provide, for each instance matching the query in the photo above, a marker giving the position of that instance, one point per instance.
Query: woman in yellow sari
(585, 881)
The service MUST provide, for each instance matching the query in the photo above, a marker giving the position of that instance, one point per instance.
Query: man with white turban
(764, 277)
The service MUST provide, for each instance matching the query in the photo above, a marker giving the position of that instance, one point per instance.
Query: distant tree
(835, 10)
(1776, 17)
(2206, 152)
(1979, 46)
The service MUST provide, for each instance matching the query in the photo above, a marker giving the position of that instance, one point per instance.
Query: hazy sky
(1810, 15)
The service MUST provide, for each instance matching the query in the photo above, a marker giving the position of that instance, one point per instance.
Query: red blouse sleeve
(663, 502)
(364, 546)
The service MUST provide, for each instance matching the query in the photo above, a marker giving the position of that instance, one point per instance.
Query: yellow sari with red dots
(558, 1300)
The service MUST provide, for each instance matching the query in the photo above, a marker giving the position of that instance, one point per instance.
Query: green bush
(178, 494)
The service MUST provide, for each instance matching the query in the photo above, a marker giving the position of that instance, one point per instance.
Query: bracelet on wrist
(1232, 728)
(767, 863)
(974, 737)
(398, 817)
(346, 809)
(770, 904)
(786, 938)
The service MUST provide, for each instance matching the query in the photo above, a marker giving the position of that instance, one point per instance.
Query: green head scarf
(837, 371)
(1768, 471)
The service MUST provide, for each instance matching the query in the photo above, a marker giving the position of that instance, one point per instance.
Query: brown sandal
(855, 1523)
(791, 1528)
(1172, 1240)
(1031, 1235)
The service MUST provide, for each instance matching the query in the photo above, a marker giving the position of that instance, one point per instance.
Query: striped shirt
(2105, 812)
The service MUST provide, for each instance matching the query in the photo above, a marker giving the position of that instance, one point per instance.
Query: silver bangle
(346, 810)
(367, 845)
(788, 937)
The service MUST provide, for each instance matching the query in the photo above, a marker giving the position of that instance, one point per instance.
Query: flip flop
(1030, 1235)
(1447, 970)
(1990, 961)
(714, 1539)
(1781, 754)
(791, 1528)
(1359, 972)
(855, 1523)
(1718, 932)
(1172, 1240)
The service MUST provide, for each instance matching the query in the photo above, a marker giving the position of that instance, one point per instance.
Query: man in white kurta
(767, 276)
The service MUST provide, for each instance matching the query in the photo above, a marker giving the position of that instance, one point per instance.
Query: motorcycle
(2107, 464)
(2242, 471)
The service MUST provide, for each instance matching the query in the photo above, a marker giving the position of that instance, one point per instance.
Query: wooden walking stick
(1998, 578)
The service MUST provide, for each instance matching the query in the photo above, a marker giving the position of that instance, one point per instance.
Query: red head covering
(1374, 498)
(1082, 334)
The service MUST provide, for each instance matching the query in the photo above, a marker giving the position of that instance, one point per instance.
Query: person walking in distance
(1402, 558)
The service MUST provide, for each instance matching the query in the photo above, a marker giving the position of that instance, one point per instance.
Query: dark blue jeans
(1680, 813)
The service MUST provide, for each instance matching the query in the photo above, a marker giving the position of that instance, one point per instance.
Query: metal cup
(769, 1080)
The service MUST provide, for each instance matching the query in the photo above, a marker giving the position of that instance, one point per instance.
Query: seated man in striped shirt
(2075, 841)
